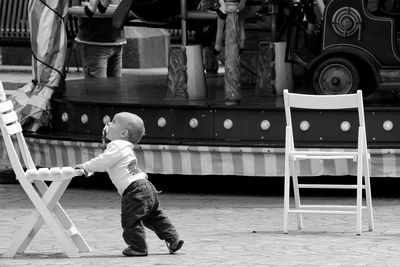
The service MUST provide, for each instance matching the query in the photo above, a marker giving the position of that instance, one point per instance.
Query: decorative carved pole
(186, 79)
(232, 71)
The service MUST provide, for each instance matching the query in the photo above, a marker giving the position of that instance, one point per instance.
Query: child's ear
(124, 133)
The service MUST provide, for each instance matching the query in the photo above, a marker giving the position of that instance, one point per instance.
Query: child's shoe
(174, 246)
(131, 253)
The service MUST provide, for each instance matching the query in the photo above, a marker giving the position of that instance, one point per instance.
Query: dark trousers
(140, 207)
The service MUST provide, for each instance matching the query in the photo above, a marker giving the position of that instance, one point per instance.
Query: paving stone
(219, 230)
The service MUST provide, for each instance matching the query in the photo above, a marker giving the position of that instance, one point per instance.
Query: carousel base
(206, 137)
(204, 160)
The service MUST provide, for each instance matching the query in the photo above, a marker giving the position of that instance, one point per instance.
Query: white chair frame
(293, 155)
(45, 199)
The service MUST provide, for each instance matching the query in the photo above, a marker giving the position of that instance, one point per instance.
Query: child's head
(126, 126)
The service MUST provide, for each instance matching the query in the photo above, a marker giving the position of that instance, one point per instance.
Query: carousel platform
(206, 137)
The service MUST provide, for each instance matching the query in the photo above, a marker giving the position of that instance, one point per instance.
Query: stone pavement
(219, 230)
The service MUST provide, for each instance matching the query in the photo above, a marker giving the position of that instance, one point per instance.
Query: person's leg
(114, 66)
(158, 222)
(135, 206)
(245, 12)
(242, 35)
(219, 36)
(94, 61)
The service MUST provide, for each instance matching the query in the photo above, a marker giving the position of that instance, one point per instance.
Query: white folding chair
(293, 155)
(45, 199)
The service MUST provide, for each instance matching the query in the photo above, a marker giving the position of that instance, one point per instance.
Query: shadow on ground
(242, 185)
(233, 185)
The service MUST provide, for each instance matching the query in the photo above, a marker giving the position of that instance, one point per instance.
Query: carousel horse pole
(232, 71)
(184, 14)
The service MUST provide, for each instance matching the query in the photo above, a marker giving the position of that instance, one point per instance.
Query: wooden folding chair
(44, 198)
(293, 155)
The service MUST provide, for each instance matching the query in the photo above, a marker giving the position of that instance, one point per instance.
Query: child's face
(116, 128)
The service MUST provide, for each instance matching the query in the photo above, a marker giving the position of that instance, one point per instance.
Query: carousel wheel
(336, 76)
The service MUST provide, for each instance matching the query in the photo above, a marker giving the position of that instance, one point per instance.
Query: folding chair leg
(42, 212)
(368, 196)
(28, 232)
(65, 221)
(359, 204)
(286, 197)
(296, 194)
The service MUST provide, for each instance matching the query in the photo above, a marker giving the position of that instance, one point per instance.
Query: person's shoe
(88, 12)
(216, 52)
(131, 253)
(221, 11)
(220, 14)
(102, 8)
(175, 246)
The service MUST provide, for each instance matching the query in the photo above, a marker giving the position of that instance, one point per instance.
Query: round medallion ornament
(193, 123)
(265, 125)
(106, 119)
(84, 119)
(346, 22)
(304, 126)
(64, 117)
(345, 126)
(228, 124)
(388, 126)
(161, 122)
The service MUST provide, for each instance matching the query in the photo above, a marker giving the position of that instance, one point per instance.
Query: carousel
(216, 124)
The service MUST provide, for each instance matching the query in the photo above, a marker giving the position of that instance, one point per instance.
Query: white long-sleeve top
(115, 160)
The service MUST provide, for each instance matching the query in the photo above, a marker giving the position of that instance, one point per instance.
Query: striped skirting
(204, 160)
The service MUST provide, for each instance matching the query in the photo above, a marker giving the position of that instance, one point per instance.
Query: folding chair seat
(293, 155)
(44, 198)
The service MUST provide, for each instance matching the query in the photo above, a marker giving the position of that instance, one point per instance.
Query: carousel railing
(14, 25)
(15, 31)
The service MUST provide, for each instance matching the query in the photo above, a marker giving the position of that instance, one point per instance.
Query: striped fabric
(49, 47)
(204, 160)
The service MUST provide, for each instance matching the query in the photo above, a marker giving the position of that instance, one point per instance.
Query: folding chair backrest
(10, 126)
(321, 102)
(324, 102)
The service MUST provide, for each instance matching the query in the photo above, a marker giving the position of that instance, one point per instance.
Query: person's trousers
(140, 207)
(102, 61)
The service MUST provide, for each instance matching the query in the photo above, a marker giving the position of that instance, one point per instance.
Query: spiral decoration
(346, 22)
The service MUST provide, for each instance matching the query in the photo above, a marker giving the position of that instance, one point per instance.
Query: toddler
(140, 205)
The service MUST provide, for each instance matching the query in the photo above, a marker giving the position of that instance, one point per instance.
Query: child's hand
(85, 172)
(132, 167)
(79, 166)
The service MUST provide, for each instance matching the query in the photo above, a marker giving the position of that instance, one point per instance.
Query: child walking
(140, 205)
